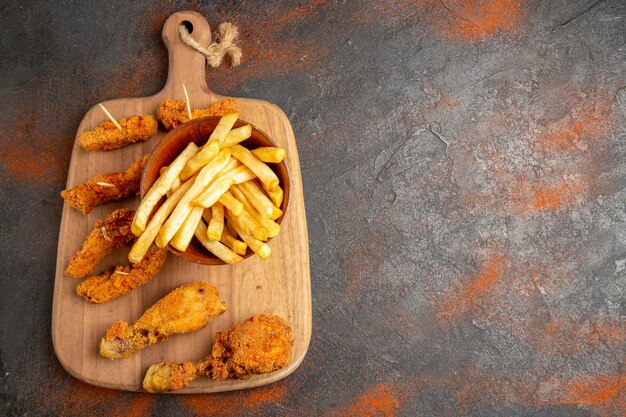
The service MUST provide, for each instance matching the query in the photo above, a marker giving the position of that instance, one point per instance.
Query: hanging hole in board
(187, 24)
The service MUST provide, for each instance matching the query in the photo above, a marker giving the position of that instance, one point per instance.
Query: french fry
(267, 177)
(143, 243)
(183, 236)
(233, 243)
(268, 224)
(175, 185)
(260, 248)
(232, 164)
(159, 189)
(184, 206)
(276, 194)
(216, 248)
(270, 154)
(237, 135)
(260, 200)
(212, 147)
(216, 223)
(231, 203)
(212, 194)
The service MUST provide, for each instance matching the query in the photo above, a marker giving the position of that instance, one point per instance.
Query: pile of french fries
(222, 193)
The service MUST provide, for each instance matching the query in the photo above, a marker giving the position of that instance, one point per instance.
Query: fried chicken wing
(173, 113)
(105, 287)
(186, 309)
(107, 136)
(109, 233)
(106, 188)
(260, 344)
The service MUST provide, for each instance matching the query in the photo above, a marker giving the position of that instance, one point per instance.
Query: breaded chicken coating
(186, 309)
(99, 289)
(107, 137)
(173, 113)
(110, 233)
(260, 344)
(105, 188)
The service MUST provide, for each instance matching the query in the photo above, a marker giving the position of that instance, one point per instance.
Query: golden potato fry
(237, 135)
(232, 164)
(268, 224)
(260, 200)
(216, 223)
(216, 248)
(276, 194)
(184, 206)
(212, 194)
(143, 243)
(231, 203)
(260, 248)
(183, 237)
(270, 154)
(267, 177)
(212, 147)
(160, 188)
(233, 243)
(208, 152)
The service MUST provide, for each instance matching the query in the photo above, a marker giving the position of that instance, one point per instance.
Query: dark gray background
(482, 278)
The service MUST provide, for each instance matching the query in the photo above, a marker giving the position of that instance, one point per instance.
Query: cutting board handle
(186, 65)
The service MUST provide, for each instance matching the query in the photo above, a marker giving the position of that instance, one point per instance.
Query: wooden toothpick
(111, 118)
(187, 100)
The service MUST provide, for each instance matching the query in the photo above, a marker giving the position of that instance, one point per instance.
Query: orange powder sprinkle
(585, 126)
(593, 391)
(233, 403)
(476, 290)
(475, 19)
(543, 198)
(381, 401)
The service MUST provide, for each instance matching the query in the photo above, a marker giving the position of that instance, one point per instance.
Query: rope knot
(225, 45)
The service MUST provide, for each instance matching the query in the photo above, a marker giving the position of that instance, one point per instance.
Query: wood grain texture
(279, 285)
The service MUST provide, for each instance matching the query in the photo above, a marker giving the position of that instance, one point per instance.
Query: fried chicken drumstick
(107, 136)
(260, 344)
(186, 309)
(105, 188)
(109, 233)
(173, 113)
(99, 289)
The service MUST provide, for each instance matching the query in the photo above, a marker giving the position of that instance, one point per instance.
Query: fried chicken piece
(99, 289)
(173, 113)
(260, 344)
(109, 233)
(105, 188)
(107, 136)
(170, 376)
(186, 309)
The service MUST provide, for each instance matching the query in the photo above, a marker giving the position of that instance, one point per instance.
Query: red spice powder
(585, 126)
(32, 157)
(546, 197)
(382, 401)
(595, 390)
(477, 289)
(234, 402)
(79, 399)
(476, 19)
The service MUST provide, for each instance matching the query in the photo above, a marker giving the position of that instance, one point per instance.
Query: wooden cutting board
(279, 285)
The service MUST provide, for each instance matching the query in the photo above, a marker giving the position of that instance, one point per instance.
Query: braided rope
(215, 52)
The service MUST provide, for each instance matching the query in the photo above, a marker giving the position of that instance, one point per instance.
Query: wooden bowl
(198, 131)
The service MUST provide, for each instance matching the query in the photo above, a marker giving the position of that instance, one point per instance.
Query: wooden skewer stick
(111, 118)
(187, 100)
